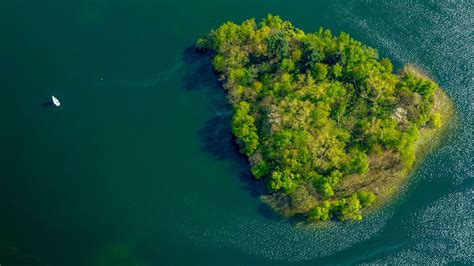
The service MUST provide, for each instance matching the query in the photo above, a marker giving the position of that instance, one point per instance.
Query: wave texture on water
(283, 241)
(442, 46)
(442, 233)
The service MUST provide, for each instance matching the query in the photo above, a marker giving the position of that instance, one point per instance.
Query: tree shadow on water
(216, 136)
(217, 140)
(198, 70)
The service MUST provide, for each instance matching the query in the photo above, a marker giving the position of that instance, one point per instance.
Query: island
(323, 121)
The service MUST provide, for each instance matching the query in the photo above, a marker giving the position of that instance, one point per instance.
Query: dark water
(137, 166)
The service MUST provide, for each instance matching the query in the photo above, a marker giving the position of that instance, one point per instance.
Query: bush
(435, 120)
(365, 198)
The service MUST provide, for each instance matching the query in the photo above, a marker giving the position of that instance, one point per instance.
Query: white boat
(55, 101)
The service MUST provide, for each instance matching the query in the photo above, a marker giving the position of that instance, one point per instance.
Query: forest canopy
(313, 108)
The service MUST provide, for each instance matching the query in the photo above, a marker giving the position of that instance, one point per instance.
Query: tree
(284, 180)
(336, 71)
(309, 107)
(387, 65)
(324, 187)
(278, 46)
(358, 161)
(319, 71)
(261, 169)
(321, 212)
(219, 63)
(244, 128)
(348, 209)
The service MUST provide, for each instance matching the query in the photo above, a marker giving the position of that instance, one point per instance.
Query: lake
(138, 167)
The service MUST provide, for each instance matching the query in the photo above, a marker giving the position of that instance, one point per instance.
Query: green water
(137, 166)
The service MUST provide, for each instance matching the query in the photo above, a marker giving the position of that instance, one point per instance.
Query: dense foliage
(310, 109)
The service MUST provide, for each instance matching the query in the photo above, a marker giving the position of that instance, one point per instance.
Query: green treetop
(311, 108)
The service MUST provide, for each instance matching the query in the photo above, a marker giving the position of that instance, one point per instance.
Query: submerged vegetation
(316, 113)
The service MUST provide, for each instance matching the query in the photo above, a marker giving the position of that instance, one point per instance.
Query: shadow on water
(199, 73)
(268, 212)
(47, 104)
(216, 136)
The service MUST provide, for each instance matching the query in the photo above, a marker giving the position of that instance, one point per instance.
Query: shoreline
(329, 131)
(387, 181)
(429, 140)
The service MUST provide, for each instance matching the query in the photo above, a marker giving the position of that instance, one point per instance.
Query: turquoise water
(137, 166)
